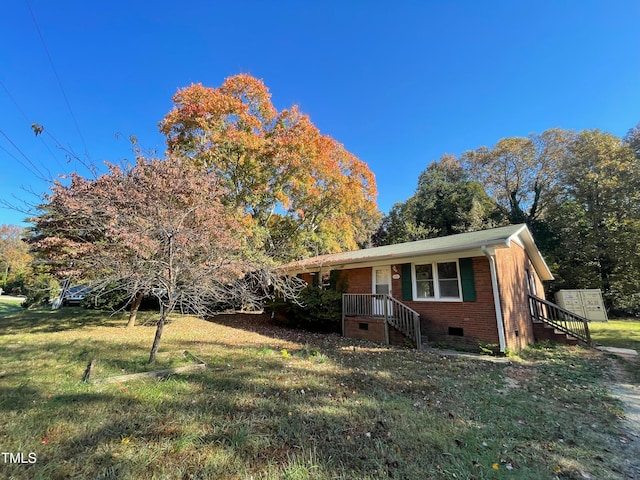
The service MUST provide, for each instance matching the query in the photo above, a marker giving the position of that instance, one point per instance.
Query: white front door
(381, 285)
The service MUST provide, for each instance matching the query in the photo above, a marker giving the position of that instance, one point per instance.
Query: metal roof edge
(518, 233)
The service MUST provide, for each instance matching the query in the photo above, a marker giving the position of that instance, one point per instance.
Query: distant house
(462, 290)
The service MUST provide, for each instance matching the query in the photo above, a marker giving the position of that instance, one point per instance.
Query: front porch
(381, 318)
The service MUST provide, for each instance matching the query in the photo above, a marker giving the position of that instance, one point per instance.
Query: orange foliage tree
(14, 252)
(303, 193)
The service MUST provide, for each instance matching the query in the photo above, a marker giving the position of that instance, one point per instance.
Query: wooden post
(416, 322)
(88, 371)
(344, 307)
(385, 309)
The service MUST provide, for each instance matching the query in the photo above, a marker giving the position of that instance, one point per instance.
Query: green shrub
(111, 298)
(40, 288)
(318, 310)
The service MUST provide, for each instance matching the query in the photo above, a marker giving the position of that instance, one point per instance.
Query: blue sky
(398, 83)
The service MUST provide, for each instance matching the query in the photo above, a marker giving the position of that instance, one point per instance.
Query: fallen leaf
(495, 466)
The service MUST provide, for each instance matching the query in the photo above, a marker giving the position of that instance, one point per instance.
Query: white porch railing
(383, 306)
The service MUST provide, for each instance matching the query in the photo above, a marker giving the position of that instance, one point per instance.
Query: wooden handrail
(559, 318)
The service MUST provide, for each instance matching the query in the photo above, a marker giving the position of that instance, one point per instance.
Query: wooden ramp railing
(394, 312)
(559, 318)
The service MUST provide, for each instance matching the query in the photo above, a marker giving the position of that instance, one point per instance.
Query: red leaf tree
(158, 226)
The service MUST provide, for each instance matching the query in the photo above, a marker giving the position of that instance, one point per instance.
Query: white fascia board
(524, 238)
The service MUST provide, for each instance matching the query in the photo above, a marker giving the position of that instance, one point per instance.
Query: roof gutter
(496, 298)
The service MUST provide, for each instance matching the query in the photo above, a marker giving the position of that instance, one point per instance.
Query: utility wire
(42, 176)
(17, 159)
(24, 115)
(44, 45)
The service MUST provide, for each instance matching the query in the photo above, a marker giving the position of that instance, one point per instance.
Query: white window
(436, 281)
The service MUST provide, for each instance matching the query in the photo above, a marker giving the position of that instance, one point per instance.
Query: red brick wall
(375, 331)
(359, 280)
(477, 319)
(307, 277)
(512, 265)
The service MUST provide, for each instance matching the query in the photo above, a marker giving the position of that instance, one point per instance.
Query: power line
(24, 115)
(44, 45)
(17, 159)
(42, 176)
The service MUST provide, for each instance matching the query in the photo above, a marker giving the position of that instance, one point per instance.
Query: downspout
(496, 298)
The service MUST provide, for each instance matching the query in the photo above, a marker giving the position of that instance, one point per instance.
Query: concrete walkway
(626, 353)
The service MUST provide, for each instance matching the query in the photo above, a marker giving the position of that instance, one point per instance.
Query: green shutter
(467, 280)
(315, 279)
(334, 275)
(407, 283)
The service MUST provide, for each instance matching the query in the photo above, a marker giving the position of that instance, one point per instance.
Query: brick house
(460, 290)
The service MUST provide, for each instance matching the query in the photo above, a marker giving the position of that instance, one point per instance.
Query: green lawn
(624, 333)
(9, 305)
(280, 404)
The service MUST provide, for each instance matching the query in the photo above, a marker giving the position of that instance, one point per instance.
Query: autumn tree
(632, 139)
(521, 173)
(302, 191)
(445, 202)
(14, 254)
(596, 220)
(157, 226)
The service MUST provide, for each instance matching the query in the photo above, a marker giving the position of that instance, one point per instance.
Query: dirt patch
(516, 376)
(520, 373)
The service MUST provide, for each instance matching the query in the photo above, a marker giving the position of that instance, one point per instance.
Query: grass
(622, 333)
(281, 404)
(9, 305)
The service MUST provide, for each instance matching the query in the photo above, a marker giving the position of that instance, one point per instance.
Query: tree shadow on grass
(48, 321)
(262, 324)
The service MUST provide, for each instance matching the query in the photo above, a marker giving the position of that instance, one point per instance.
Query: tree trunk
(134, 309)
(156, 340)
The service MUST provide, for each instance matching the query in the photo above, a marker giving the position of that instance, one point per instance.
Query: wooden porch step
(542, 331)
